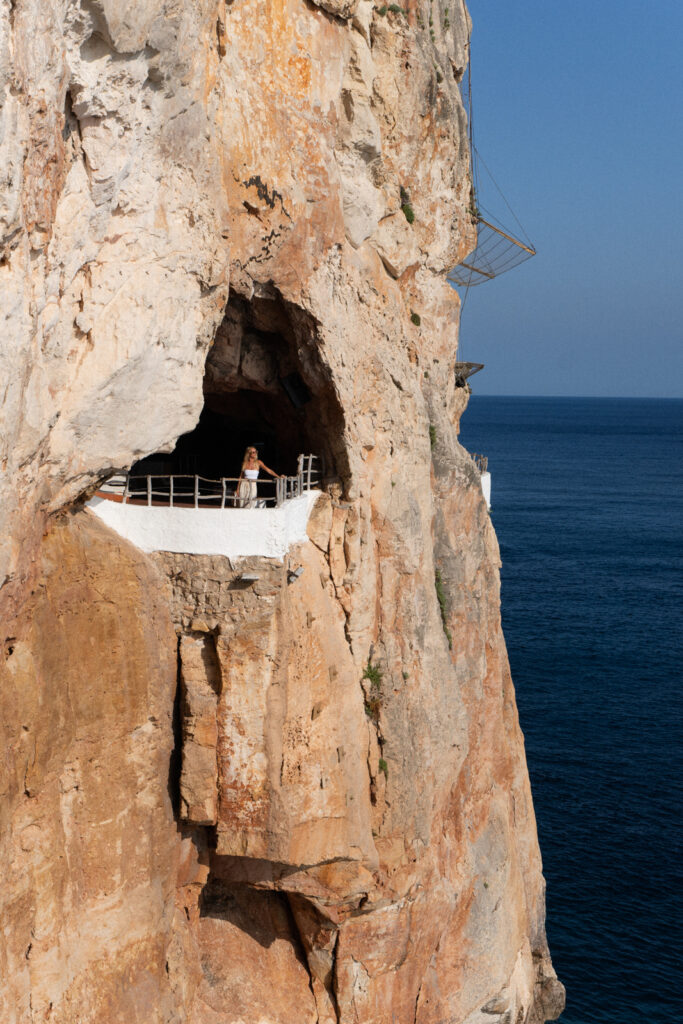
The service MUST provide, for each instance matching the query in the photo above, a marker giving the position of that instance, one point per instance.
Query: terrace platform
(192, 515)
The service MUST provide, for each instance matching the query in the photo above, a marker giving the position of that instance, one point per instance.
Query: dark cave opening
(264, 385)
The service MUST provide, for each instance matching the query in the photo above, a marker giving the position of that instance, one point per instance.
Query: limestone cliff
(303, 800)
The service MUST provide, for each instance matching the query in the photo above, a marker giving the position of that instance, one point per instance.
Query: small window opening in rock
(264, 387)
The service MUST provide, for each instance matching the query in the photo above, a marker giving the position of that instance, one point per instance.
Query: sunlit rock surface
(304, 798)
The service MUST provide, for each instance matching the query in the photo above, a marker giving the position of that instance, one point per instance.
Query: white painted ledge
(486, 487)
(233, 532)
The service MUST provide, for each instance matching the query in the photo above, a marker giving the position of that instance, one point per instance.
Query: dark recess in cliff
(264, 385)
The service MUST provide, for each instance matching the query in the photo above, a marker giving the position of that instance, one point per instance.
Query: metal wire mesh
(496, 252)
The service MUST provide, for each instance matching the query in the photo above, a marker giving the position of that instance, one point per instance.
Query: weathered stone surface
(340, 8)
(114, 268)
(87, 834)
(200, 678)
(292, 732)
(354, 822)
(395, 242)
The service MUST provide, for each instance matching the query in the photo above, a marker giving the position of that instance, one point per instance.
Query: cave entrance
(264, 385)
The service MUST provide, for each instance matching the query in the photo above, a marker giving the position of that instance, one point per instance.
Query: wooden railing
(185, 490)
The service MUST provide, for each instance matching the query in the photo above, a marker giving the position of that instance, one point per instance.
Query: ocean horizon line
(588, 398)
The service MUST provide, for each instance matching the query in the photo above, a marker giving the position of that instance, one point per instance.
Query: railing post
(171, 490)
(125, 489)
(308, 479)
(222, 492)
(149, 491)
(196, 491)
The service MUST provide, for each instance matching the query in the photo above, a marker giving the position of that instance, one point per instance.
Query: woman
(246, 485)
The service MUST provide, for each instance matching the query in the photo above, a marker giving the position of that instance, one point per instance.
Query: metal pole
(223, 492)
(149, 491)
(171, 491)
(515, 241)
(196, 492)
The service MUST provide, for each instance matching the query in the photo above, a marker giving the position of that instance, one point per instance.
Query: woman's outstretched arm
(263, 466)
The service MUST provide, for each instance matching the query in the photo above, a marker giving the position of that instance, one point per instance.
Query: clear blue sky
(578, 112)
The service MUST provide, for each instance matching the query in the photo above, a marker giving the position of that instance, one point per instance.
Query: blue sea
(588, 507)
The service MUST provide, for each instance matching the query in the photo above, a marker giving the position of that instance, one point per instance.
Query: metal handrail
(176, 494)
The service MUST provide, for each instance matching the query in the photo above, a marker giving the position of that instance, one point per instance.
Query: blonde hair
(249, 448)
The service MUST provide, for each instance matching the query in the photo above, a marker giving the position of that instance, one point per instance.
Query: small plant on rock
(432, 436)
(441, 598)
(408, 212)
(382, 10)
(374, 674)
(384, 767)
(373, 698)
(395, 9)
(406, 205)
(415, 319)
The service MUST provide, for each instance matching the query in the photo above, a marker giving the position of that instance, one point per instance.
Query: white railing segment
(184, 490)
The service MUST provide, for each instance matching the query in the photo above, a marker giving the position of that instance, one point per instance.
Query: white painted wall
(486, 487)
(233, 532)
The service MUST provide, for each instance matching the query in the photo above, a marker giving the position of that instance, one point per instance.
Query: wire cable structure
(497, 249)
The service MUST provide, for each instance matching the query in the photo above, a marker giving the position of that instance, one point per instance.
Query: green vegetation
(374, 674)
(395, 9)
(384, 767)
(382, 10)
(432, 436)
(373, 700)
(408, 212)
(415, 319)
(439, 76)
(441, 598)
(406, 675)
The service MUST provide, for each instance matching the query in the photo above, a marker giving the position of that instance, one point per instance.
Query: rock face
(303, 798)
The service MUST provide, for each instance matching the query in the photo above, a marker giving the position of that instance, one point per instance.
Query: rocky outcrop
(304, 797)
(88, 838)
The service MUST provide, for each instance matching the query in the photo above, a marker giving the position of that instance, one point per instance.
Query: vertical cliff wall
(303, 800)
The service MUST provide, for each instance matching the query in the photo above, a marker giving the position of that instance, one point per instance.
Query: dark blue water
(588, 508)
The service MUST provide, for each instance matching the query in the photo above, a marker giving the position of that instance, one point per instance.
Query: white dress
(246, 492)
